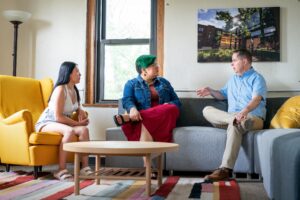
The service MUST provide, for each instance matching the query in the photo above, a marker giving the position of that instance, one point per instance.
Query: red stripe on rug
(17, 181)
(68, 191)
(231, 192)
(167, 186)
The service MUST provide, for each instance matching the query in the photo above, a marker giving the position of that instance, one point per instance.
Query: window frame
(91, 51)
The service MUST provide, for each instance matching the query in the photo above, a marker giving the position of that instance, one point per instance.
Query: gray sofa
(202, 146)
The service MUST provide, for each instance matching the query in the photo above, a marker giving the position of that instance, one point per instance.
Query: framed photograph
(221, 31)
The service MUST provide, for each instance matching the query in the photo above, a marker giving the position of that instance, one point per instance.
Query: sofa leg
(40, 168)
(249, 177)
(7, 167)
(233, 175)
(36, 172)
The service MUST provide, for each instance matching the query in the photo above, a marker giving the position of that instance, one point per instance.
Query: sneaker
(87, 171)
(219, 174)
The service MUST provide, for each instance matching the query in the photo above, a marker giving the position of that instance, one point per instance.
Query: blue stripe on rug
(114, 190)
(196, 191)
(157, 198)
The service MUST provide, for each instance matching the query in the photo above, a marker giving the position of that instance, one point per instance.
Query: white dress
(48, 115)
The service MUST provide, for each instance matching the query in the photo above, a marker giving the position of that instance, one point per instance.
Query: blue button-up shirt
(137, 93)
(240, 90)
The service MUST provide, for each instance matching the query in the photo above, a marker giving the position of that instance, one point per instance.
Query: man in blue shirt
(246, 93)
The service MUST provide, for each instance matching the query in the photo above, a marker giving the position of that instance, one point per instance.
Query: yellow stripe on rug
(216, 193)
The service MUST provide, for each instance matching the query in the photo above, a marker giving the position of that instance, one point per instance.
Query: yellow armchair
(22, 100)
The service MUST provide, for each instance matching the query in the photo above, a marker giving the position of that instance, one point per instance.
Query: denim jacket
(137, 93)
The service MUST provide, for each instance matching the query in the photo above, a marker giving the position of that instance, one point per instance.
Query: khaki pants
(222, 119)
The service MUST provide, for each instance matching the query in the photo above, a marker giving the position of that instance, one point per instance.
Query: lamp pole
(16, 26)
(16, 17)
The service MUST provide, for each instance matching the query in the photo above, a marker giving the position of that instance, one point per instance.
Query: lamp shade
(16, 15)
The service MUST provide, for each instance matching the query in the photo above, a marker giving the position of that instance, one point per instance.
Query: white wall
(56, 32)
(181, 46)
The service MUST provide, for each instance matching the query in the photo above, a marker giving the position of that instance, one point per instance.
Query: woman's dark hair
(65, 70)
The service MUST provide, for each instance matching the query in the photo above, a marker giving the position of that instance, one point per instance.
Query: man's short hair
(244, 53)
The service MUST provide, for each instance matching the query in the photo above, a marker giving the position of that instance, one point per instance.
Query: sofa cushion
(273, 104)
(191, 111)
(201, 149)
(288, 115)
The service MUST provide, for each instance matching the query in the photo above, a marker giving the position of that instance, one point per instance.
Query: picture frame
(221, 31)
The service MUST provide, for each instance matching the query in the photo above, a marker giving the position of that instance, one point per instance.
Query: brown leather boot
(219, 174)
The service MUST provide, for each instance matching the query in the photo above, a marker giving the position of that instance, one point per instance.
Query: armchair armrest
(14, 135)
(21, 116)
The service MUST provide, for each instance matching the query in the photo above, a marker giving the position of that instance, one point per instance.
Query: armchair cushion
(46, 138)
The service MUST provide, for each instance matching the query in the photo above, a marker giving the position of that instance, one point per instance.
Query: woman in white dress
(63, 102)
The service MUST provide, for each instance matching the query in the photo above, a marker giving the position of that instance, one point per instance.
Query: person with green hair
(151, 103)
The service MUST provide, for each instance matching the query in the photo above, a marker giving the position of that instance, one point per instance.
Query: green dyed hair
(144, 61)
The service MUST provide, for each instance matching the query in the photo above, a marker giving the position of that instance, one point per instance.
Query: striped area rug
(22, 185)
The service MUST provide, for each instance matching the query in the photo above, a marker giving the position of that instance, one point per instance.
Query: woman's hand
(135, 115)
(81, 115)
(83, 122)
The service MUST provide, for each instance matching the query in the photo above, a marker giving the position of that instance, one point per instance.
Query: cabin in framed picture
(221, 31)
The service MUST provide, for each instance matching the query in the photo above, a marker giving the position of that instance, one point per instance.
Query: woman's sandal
(118, 123)
(87, 171)
(63, 175)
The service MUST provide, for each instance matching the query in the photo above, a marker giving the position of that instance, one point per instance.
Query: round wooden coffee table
(119, 148)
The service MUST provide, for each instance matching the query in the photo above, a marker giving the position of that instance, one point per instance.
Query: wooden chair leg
(7, 167)
(36, 172)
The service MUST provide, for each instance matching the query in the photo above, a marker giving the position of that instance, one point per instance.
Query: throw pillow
(288, 115)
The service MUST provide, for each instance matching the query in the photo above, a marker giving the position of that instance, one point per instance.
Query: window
(125, 29)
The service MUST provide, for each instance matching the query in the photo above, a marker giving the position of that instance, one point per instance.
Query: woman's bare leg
(67, 132)
(83, 135)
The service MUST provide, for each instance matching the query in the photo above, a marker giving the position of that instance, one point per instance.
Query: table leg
(76, 173)
(159, 169)
(148, 174)
(97, 168)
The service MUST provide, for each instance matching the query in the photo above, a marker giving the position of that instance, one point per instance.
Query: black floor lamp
(16, 17)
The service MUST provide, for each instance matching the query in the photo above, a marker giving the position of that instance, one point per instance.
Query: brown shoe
(219, 174)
